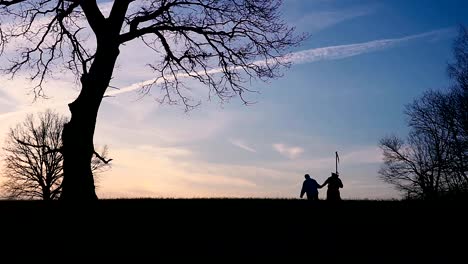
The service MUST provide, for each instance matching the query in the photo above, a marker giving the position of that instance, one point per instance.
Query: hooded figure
(334, 184)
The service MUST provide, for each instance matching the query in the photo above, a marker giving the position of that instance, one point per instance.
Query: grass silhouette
(360, 230)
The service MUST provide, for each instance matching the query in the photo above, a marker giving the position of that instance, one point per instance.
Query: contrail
(319, 54)
(300, 57)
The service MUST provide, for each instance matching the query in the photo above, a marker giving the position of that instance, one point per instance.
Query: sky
(346, 89)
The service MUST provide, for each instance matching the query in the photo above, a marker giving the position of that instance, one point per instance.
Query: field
(245, 229)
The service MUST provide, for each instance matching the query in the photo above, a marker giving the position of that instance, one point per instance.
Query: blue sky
(346, 89)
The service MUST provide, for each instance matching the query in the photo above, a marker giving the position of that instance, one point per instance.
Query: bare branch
(106, 161)
(93, 15)
(49, 150)
(222, 44)
(11, 2)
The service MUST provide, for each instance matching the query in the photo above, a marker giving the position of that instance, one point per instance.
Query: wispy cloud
(177, 172)
(325, 53)
(362, 155)
(288, 151)
(301, 57)
(239, 143)
(370, 154)
(346, 51)
(319, 20)
(173, 172)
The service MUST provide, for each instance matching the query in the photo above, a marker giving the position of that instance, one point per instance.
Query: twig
(49, 150)
(101, 158)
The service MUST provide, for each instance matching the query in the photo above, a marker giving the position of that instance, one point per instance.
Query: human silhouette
(334, 184)
(310, 188)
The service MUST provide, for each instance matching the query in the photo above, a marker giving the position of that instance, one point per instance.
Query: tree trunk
(78, 133)
(46, 194)
(77, 137)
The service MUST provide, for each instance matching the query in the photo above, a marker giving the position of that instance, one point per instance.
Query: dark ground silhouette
(145, 231)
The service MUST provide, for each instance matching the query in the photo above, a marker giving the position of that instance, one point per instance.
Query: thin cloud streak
(317, 54)
(301, 57)
(242, 145)
(346, 51)
(317, 21)
(29, 109)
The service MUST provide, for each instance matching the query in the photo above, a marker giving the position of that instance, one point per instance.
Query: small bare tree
(220, 43)
(33, 158)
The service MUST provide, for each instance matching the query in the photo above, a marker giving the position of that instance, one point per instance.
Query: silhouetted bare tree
(458, 70)
(221, 43)
(433, 162)
(419, 165)
(457, 111)
(33, 159)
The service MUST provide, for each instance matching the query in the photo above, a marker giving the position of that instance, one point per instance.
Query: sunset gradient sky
(346, 89)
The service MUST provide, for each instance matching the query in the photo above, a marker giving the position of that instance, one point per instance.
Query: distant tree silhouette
(433, 162)
(457, 110)
(417, 165)
(220, 43)
(33, 160)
